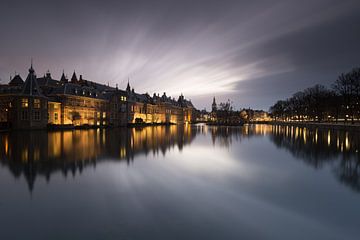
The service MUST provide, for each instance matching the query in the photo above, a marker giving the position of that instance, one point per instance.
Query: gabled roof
(16, 81)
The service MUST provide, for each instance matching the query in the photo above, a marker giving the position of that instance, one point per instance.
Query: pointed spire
(63, 78)
(128, 86)
(74, 78)
(31, 70)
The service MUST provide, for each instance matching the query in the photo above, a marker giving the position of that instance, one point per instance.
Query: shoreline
(324, 125)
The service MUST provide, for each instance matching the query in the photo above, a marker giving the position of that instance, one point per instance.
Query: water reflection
(41, 153)
(319, 147)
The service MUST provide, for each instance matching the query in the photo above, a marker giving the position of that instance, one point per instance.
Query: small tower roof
(31, 86)
(74, 78)
(63, 78)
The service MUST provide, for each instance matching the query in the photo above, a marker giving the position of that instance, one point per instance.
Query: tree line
(340, 102)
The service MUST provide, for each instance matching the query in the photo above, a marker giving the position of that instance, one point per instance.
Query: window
(24, 115)
(104, 114)
(36, 103)
(122, 98)
(36, 115)
(56, 116)
(24, 102)
(98, 115)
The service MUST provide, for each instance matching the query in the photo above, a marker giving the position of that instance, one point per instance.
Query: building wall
(54, 113)
(36, 112)
(28, 112)
(77, 110)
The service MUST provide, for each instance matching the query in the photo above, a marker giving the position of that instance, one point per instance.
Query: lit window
(104, 114)
(24, 102)
(36, 103)
(98, 115)
(56, 116)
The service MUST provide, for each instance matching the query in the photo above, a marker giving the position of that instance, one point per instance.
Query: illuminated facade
(40, 102)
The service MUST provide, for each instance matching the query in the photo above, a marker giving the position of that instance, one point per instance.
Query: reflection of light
(6, 145)
(122, 152)
(316, 136)
(304, 132)
(347, 143)
(329, 138)
(36, 154)
(25, 154)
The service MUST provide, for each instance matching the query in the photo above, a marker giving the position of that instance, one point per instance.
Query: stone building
(43, 101)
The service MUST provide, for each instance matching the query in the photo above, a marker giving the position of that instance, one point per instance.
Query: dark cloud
(253, 52)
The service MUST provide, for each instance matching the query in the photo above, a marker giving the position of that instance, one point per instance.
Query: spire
(31, 70)
(128, 86)
(63, 78)
(74, 78)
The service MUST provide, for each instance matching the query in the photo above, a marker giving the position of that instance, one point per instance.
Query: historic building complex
(41, 102)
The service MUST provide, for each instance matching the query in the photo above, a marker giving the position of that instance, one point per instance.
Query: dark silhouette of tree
(319, 103)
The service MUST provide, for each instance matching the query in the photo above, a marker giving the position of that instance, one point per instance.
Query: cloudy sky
(252, 52)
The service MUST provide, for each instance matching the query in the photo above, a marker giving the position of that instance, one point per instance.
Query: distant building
(256, 115)
(37, 102)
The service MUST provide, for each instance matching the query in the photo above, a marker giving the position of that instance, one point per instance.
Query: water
(191, 182)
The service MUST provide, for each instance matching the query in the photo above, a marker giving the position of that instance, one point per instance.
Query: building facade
(44, 101)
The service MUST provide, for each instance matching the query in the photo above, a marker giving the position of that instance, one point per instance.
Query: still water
(191, 182)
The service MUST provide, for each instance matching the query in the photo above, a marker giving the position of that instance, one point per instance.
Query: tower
(214, 106)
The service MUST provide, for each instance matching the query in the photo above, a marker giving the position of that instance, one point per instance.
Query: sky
(251, 52)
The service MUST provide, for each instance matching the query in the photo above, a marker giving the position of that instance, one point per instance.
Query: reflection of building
(33, 153)
(76, 102)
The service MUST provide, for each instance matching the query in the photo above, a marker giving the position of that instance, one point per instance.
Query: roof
(16, 81)
(77, 90)
(31, 86)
